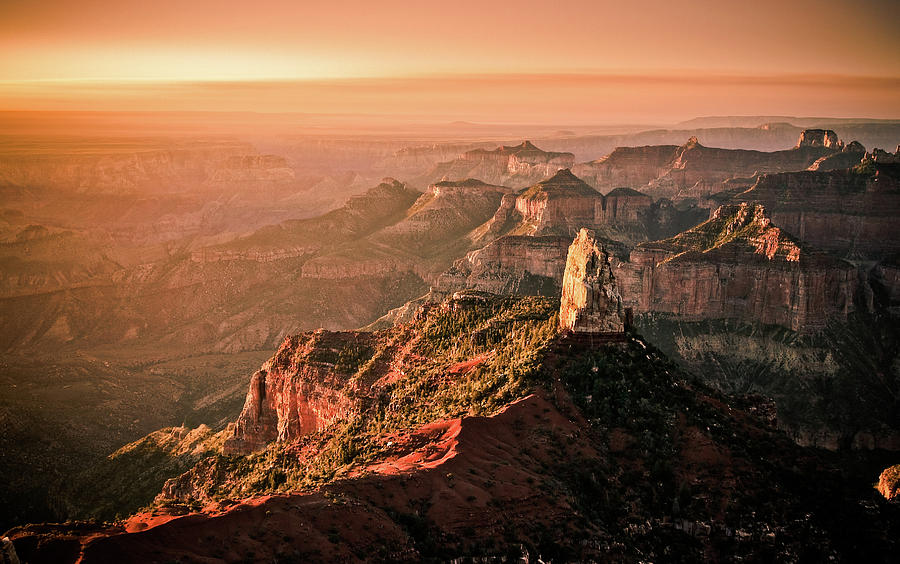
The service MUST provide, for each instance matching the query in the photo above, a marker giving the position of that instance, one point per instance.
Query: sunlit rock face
(693, 170)
(300, 390)
(590, 299)
(513, 264)
(852, 212)
(889, 483)
(818, 138)
(517, 165)
(557, 203)
(738, 264)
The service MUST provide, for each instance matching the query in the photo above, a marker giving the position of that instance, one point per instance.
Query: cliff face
(564, 203)
(852, 212)
(738, 265)
(694, 171)
(590, 299)
(512, 264)
(304, 388)
(819, 138)
(443, 216)
(462, 449)
(628, 166)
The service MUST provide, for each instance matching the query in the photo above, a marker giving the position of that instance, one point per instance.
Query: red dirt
(474, 472)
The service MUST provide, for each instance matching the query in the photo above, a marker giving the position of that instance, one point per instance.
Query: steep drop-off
(494, 440)
(738, 264)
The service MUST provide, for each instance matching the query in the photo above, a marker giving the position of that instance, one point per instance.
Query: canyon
(405, 476)
(765, 272)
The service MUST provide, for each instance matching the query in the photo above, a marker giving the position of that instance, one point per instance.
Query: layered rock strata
(695, 171)
(518, 165)
(852, 212)
(564, 203)
(302, 389)
(513, 264)
(590, 299)
(738, 265)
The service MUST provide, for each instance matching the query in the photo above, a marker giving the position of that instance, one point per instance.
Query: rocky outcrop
(850, 155)
(524, 153)
(852, 212)
(512, 264)
(300, 390)
(623, 206)
(563, 201)
(883, 157)
(563, 204)
(590, 299)
(738, 265)
(628, 166)
(819, 138)
(447, 212)
(889, 483)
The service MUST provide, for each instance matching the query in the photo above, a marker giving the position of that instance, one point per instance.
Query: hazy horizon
(573, 62)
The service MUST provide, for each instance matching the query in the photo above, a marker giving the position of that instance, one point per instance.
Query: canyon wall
(852, 212)
(738, 265)
(513, 264)
(695, 171)
(518, 166)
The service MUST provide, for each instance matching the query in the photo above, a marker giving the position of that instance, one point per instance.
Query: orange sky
(562, 60)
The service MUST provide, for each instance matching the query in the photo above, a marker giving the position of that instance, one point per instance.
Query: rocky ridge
(695, 171)
(300, 391)
(483, 444)
(846, 211)
(517, 166)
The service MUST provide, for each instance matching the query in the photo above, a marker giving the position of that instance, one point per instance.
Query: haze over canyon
(448, 283)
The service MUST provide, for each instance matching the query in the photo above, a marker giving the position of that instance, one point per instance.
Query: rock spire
(590, 299)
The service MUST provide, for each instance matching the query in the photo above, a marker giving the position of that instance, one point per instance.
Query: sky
(547, 61)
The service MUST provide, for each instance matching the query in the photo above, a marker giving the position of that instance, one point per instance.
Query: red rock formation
(849, 211)
(300, 390)
(628, 166)
(738, 265)
(623, 205)
(448, 211)
(819, 138)
(562, 201)
(590, 299)
(889, 483)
